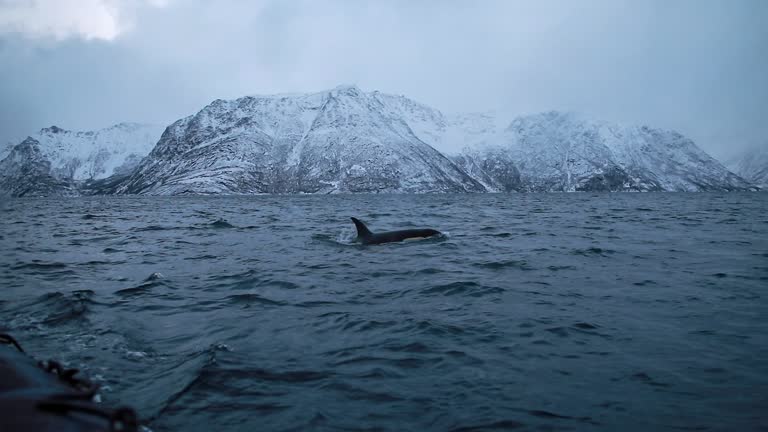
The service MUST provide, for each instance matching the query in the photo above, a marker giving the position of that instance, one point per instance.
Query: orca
(366, 237)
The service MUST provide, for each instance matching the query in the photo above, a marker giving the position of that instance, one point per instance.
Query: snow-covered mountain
(346, 140)
(752, 165)
(74, 157)
(94, 155)
(341, 140)
(25, 171)
(557, 151)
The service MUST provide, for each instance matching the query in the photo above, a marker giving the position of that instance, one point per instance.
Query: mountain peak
(129, 126)
(29, 141)
(53, 129)
(338, 140)
(346, 90)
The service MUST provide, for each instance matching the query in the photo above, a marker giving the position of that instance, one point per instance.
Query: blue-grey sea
(604, 312)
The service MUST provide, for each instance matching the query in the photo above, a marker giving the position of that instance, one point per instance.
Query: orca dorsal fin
(362, 230)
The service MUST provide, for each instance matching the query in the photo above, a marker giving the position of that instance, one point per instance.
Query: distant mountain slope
(341, 140)
(93, 155)
(71, 157)
(752, 165)
(557, 151)
(25, 171)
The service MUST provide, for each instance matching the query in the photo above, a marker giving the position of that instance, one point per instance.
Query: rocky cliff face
(342, 140)
(557, 151)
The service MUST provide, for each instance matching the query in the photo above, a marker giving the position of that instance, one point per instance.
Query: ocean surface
(574, 311)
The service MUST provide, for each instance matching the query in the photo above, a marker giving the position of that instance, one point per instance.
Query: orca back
(365, 236)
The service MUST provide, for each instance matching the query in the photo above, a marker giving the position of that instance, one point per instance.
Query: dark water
(538, 312)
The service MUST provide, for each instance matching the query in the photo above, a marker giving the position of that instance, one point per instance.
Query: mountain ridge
(345, 140)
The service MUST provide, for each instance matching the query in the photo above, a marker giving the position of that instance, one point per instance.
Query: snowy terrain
(447, 132)
(557, 151)
(74, 157)
(752, 165)
(97, 154)
(26, 172)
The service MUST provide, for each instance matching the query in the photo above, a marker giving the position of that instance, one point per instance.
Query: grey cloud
(695, 66)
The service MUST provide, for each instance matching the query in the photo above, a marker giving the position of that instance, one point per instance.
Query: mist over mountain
(556, 151)
(752, 165)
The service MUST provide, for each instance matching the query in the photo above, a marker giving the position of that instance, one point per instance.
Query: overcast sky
(697, 66)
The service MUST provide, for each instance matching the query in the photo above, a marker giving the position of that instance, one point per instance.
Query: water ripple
(538, 312)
